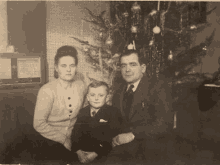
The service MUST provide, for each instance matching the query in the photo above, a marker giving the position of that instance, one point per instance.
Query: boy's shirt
(96, 133)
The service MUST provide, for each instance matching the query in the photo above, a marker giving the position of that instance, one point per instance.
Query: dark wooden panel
(16, 114)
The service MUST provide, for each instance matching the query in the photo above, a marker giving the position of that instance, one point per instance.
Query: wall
(3, 26)
(64, 19)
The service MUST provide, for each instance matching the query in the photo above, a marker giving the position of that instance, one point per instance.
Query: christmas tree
(161, 31)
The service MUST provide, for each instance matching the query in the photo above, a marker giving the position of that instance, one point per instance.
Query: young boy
(96, 125)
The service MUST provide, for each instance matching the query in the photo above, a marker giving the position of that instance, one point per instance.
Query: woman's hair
(96, 84)
(66, 51)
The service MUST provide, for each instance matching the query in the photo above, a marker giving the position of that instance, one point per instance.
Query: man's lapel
(138, 96)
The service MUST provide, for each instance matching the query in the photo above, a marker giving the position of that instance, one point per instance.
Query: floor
(177, 151)
(202, 148)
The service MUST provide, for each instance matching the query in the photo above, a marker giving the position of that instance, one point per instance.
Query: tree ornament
(101, 34)
(151, 42)
(130, 47)
(158, 5)
(135, 7)
(156, 30)
(85, 48)
(134, 29)
(125, 14)
(93, 53)
(177, 73)
(116, 55)
(110, 61)
(109, 41)
(134, 45)
(170, 57)
(153, 12)
(193, 27)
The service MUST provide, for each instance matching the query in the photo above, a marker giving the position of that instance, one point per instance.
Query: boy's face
(97, 96)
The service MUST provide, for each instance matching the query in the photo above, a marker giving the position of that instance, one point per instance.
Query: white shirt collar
(135, 85)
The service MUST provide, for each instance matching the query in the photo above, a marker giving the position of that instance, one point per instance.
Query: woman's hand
(68, 144)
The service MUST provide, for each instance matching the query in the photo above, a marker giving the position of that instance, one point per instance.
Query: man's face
(131, 69)
(66, 68)
(97, 96)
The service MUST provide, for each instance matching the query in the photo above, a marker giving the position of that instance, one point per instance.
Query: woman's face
(66, 68)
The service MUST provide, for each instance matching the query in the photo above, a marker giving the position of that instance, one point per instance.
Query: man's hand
(122, 139)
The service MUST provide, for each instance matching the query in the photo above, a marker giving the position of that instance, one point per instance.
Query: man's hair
(139, 54)
(96, 84)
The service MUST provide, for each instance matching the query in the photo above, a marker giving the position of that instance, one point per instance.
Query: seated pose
(146, 109)
(96, 125)
(57, 107)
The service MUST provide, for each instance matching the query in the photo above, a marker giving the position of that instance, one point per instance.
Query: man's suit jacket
(151, 111)
(95, 133)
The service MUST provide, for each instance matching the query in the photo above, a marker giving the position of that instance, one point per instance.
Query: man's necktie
(127, 100)
(93, 113)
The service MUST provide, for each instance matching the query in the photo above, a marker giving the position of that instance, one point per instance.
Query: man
(145, 105)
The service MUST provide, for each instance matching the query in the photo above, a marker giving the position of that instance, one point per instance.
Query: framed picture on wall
(21, 70)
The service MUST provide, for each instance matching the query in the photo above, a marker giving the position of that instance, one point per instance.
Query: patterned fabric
(93, 114)
(127, 100)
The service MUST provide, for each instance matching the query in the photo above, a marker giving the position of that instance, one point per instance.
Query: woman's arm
(43, 108)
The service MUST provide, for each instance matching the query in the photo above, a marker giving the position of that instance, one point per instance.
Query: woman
(58, 103)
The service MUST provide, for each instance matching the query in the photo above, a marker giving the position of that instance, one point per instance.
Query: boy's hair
(96, 84)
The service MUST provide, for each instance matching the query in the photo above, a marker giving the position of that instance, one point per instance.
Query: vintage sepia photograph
(109, 82)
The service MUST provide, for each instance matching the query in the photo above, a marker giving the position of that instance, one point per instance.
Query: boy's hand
(86, 157)
(82, 156)
(91, 156)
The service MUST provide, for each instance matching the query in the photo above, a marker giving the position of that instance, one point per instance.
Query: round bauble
(134, 29)
(156, 30)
